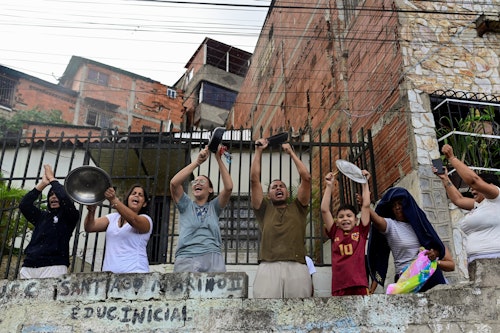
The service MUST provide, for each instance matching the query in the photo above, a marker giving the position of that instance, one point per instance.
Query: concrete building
(113, 98)
(212, 81)
(97, 96)
(387, 66)
(19, 91)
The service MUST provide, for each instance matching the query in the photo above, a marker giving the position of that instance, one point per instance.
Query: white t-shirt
(125, 247)
(482, 227)
(403, 242)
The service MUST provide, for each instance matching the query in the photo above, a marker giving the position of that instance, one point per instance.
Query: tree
(15, 123)
(9, 201)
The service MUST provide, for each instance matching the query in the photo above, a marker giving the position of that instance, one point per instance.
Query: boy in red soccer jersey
(349, 237)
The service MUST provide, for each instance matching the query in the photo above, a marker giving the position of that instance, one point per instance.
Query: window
(98, 77)
(99, 119)
(7, 89)
(148, 129)
(239, 227)
(171, 93)
(217, 96)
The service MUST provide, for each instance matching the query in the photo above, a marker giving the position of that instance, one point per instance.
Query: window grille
(7, 90)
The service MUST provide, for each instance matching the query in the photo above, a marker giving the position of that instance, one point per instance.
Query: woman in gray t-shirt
(199, 244)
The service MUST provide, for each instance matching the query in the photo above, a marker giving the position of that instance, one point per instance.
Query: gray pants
(282, 279)
(210, 262)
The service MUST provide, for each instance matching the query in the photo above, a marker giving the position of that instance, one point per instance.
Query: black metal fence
(470, 123)
(152, 159)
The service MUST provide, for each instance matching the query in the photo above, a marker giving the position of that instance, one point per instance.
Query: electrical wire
(79, 23)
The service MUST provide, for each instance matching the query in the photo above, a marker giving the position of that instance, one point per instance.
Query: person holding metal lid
(127, 230)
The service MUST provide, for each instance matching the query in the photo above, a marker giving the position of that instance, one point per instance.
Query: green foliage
(15, 123)
(9, 214)
(472, 149)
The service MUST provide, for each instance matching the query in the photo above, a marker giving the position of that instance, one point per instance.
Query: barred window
(100, 119)
(239, 228)
(7, 90)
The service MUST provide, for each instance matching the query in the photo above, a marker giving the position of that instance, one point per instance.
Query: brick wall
(309, 71)
(32, 95)
(128, 101)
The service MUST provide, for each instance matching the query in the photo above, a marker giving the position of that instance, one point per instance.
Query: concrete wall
(185, 302)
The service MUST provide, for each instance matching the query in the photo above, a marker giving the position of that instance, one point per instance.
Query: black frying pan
(216, 139)
(276, 140)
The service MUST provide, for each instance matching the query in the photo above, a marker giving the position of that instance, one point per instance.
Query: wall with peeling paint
(202, 302)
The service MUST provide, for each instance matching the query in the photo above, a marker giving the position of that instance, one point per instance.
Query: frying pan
(216, 139)
(276, 140)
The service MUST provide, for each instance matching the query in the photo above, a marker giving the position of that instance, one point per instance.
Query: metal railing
(470, 124)
(152, 159)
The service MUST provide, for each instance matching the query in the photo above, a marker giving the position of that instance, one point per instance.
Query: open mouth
(345, 224)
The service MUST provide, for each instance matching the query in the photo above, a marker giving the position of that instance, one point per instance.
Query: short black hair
(347, 207)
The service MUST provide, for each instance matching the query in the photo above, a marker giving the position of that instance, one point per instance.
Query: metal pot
(87, 184)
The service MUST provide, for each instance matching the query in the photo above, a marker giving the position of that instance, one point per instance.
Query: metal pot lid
(351, 171)
(87, 184)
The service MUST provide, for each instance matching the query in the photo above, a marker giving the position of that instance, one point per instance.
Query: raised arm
(256, 193)
(176, 189)
(29, 210)
(378, 221)
(304, 190)
(326, 201)
(67, 205)
(366, 198)
(227, 181)
(367, 212)
(453, 193)
(471, 178)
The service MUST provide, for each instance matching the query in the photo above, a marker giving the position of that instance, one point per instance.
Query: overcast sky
(154, 39)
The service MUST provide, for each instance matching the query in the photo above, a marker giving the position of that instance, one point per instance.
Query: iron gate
(152, 159)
